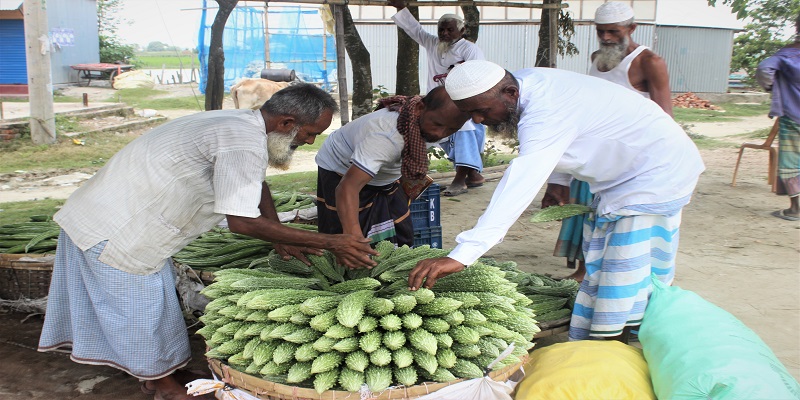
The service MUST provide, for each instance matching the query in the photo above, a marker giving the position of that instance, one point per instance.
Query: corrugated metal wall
(79, 16)
(13, 69)
(514, 47)
(698, 59)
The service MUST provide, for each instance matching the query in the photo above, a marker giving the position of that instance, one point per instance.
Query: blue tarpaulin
(297, 40)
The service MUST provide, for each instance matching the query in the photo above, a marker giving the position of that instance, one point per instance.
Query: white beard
(610, 55)
(443, 47)
(279, 148)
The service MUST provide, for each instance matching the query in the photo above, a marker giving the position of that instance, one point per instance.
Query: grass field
(157, 99)
(169, 60)
(730, 111)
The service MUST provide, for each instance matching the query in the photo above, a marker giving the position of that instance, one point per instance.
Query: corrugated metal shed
(13, 69)
(698, 59)
(78, 19)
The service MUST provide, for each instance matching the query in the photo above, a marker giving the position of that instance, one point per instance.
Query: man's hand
(353, 251)
(288, 251)
(555, 195)
(430, 270)
(398, 4)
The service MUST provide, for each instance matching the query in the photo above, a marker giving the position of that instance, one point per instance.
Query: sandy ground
(732, 253)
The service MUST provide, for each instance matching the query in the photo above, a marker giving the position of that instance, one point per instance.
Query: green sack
(696, 350)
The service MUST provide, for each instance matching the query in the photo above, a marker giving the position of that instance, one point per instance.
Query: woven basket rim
(260, 387)
(14, 261)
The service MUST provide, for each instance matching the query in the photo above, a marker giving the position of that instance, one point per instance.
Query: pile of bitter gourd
(325, 327)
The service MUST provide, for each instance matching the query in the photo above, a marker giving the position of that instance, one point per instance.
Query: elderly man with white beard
(619, 60)
(446, 50)
(112, 298)
(623, 61)
(639, 162)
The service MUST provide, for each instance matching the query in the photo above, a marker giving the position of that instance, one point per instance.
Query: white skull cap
(472, 78)
(613, 12)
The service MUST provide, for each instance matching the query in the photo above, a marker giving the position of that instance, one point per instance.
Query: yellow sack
(587, 369)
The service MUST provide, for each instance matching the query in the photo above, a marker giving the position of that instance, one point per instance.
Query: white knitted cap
(613, 12)
(472, 78)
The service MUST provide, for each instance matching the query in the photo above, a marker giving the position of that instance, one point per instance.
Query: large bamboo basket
(24, 276)
(263, 389)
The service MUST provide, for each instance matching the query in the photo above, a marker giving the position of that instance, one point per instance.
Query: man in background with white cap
(640, 164)
(445, 51)
(623, 61)
(620, 60)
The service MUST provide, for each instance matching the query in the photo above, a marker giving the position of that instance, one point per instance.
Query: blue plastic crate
(431, 236)
(425, 211)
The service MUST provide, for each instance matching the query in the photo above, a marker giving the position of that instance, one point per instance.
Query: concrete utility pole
(40, 84)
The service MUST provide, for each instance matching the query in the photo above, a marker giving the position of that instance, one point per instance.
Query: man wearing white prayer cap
(445, 51)
(640, 164)
(620, 60)
(623, 61)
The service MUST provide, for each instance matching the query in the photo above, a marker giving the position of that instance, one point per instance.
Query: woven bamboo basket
(267, 390)
(553, 328)
(24, 275)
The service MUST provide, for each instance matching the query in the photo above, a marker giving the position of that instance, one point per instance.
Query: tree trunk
(407, 61)
(215, 82)
(360, 61)
(472, 19)
(543, 56)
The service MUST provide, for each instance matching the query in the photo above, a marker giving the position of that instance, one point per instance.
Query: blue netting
(297, 41)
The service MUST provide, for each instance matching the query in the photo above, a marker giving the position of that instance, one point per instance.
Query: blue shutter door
(12, 52)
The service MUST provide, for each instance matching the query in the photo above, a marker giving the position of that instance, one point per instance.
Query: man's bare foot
(474, 178)
(580, 271)
(168, 388)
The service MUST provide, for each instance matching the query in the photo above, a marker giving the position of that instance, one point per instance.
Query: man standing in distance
(445, 51)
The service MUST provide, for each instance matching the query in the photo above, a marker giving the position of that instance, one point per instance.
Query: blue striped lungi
(570, 237)
(621, 250)
(464, 148)
(109, 317)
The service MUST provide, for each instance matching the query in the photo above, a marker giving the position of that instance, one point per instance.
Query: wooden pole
(40, 85)
(267, 61)
(338, 22)
(553, 27)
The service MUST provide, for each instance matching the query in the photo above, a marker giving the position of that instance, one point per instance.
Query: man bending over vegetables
(361, 166)
(112, 298)
(640, 164)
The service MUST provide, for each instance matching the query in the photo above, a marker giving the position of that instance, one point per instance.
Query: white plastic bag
(484, 388)
(221, 391)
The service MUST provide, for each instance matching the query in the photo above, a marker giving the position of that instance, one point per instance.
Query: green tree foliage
(769, 24)
(566, 29)
(108, 21)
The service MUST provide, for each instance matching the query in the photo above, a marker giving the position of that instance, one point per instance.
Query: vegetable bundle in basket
(39, 235)
(327, 327)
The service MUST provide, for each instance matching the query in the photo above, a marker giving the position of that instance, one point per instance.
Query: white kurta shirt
(625, 146)
(460, 51)
(168, 186)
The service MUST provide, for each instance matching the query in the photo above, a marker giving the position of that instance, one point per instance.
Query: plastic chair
(773, 155)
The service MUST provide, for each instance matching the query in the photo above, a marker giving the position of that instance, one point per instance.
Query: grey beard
(443, 47)
(508, 128)
(279, 148)
(609, 56)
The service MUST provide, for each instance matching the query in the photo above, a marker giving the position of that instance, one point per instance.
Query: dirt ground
(732, 253)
